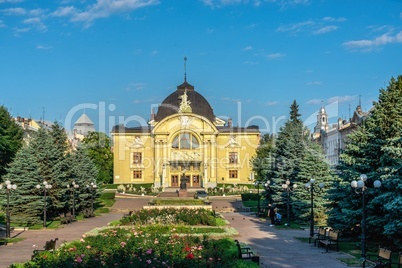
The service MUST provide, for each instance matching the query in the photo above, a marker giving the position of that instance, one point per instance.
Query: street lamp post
(74, 186)
(91, 187)
(257, 184)
(288, 188)
(46, 186)
(360, 187)
(310, 187)
(8, 187)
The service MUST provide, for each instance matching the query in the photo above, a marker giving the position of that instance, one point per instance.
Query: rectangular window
(137, 158)
(232, 157)
(137, 174)
(232, 174)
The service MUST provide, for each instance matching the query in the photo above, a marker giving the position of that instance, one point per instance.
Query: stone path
(277, 248)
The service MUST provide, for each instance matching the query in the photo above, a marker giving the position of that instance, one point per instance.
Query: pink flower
(149, 251)
(123, 244)
(88, 246)
(78, 259)
(149, 261)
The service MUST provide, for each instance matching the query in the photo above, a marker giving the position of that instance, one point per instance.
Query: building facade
(333, 137)
(184, 139)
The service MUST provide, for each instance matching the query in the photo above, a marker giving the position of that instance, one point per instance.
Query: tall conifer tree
(26, 205)
(11, 136)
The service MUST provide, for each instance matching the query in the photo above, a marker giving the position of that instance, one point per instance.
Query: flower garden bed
(149, 238)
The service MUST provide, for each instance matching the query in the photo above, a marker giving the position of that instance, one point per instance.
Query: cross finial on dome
(185, 71)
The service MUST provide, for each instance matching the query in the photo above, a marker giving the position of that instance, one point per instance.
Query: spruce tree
(313, 166)
(375, 150)
(26, 204)
(11, 136)
(85, 173)
(290, 148)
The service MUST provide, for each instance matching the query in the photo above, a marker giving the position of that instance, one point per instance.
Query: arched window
(185, 140)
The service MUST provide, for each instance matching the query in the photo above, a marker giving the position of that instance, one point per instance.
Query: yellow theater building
(184, 139)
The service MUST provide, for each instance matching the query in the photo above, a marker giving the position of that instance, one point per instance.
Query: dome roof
(198, 103)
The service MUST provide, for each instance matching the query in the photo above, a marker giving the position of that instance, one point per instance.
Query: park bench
(128, 214)
(245, 253)
(207, 202)
(152, 203)
(49, 246)
(331, 239)
(320, 235)
(88, 213)
(66, 218)
(382, 258)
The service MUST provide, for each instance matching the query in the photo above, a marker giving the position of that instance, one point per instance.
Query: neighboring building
(83, 126)
(28, 125)
(333, 138)
(184, 139)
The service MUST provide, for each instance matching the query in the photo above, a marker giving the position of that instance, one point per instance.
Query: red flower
(190, 256)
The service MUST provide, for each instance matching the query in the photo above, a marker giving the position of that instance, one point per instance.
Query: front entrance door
(175, 181)
(196, 181)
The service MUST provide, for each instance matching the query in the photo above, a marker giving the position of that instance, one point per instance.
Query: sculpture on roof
(184, 104)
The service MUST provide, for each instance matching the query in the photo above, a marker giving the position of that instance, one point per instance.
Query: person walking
(271, 214)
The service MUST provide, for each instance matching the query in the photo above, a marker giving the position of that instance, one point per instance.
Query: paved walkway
(277, 248)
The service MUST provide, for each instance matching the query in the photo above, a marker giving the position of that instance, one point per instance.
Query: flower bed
(136, 248)
(171, 215)
(139, 242)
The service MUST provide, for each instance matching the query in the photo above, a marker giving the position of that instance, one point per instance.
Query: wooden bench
(331, 239)
(383, 258)
(88, 213)
(245, 253)
(321, 235)
(49, 246)
(207, 202)
(66, 218)
(128, 214)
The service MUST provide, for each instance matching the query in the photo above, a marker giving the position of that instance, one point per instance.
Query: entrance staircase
(173, 191)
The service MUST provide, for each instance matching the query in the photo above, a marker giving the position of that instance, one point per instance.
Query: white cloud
(314, 26)
(154, 53)
(64, 11)
(107, 8)
(210, 31)
(2, 25)
(314, 83)
(275, 56)
(271, 103)
(41, 47)
(17, 11)
(296, 27)
(223, 3)
(247, 48)
(11, 1)
(369, 44)
(36, 23)
(314, 101)
(325, 29)
(341, 99)
(331, 19)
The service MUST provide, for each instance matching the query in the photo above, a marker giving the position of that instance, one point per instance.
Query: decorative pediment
(232, 142)
(137, 143)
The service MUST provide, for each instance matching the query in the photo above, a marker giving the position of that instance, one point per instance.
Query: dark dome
(171, 104)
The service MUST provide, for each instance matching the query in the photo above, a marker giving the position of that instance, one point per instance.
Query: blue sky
(116, 59)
